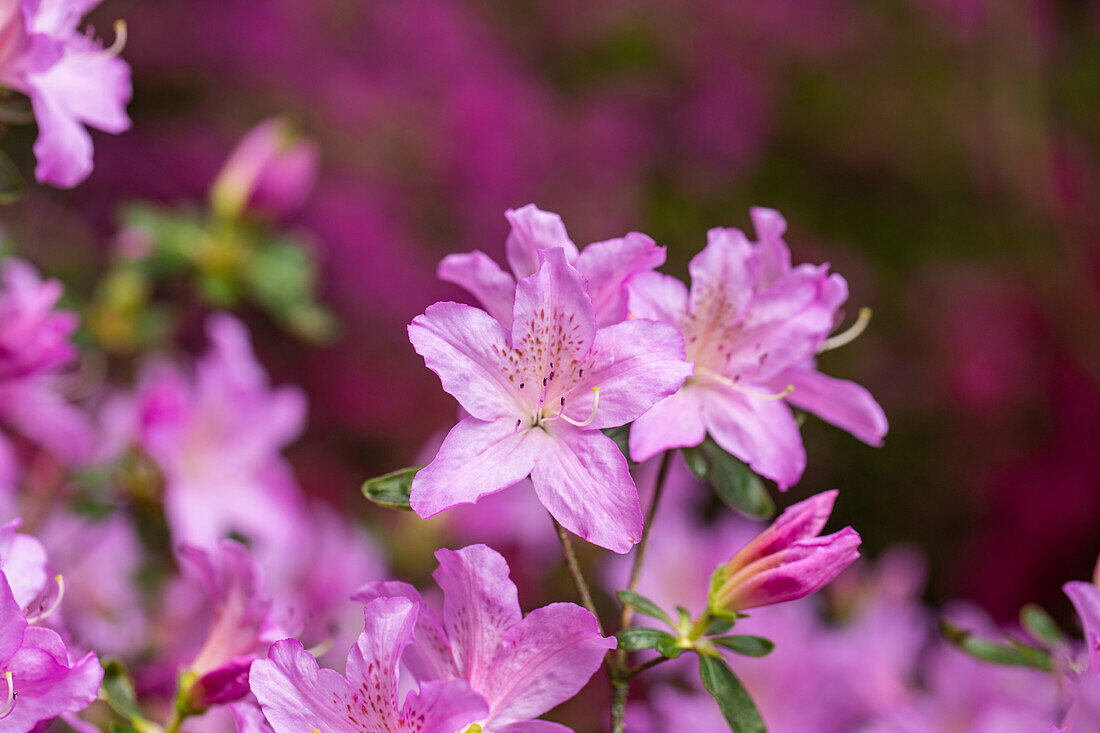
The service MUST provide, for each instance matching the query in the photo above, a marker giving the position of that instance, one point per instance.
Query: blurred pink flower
(752, 325)
(296, 695)
(71, 79)
(538, 398)
(523, 665)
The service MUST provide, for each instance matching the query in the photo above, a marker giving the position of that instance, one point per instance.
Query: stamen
(591, 417)
(758, 395)
(322, 648)
(846, 337)
(10, 704)
(120, 39)
(43, 612)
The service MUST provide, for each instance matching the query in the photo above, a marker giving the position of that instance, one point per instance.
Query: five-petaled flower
(524, 666)
(787, 561)
(752, 324)
(538, 396)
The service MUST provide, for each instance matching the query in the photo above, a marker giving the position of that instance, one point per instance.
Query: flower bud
(785, 562)
(271, 169)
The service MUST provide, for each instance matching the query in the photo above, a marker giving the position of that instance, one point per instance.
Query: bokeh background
(943, 155)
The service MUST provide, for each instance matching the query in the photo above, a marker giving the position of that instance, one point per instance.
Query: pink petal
(476, 459)
(429, 657)
(442, 707)
(544, 660)
(23, 560)
(532, 230)
(480, 603)
(761, 432)
(840, 402)
(467, 348)
(774, 256)
(1086, 600)
(46, 418)
(609, 265)
(373, 664)
(723, 276)
(582, 478)
(12, 621)
(296, 695)
(553, 317)
(635, 364)
(46, 684)
(63, 149)
(658, 297)
(475, 271)
(674, 422)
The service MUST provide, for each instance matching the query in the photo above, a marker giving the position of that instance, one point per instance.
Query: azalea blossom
(608, 266)
(786, 561)
(216, 435)
(297, 696)
(72, 81)
(39, 681)
(538, 395)
(524, 666)
(1083, 715)
(752, 324)
(35, 344)
(242, 626)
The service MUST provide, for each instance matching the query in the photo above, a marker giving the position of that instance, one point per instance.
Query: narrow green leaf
(640, 637)
(392, 489)
(1040, 625)
(118, 690)
(718, 626)
(668, 648)
(749, 646)
(733, 699)
(641, 604)
(1014, 654)
(696, 462)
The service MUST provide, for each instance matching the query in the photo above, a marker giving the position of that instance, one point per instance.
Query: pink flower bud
(787, 561)
(271, 169)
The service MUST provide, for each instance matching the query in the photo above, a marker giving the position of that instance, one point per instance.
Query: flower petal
(532, 230)
(374, 662)
(544, 660)
(723, 276)
(674, 422)
(475, 271)
(12, 621)
(46, 684)
(635, 364)
(429, 657)
(296, 695)
(609, 265)
(772, 251)
(476, 459)
(442, 707)
(553, 315)
(480, 603)
(582, 478)
(468, 349)
(761, 432)
(1086, 600)
(838, 401)
(658, 297)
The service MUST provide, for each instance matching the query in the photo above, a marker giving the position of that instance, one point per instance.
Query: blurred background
(943, 155)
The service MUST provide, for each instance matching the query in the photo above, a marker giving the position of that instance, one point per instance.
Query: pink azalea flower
(72, 81)
(39, 680)
(524, 666)
(35, 343)
(608, 266)
(1083, 715)
(297, 696)
(538, 395)
(786, 561)
(752, 324)
(217, 436)
(271, 169)
(241, 629)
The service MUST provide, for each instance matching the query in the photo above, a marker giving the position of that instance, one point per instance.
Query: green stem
(619, 689)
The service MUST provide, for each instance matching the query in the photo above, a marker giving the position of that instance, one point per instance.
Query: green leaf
(749, 646)
(641, 604)
(640, 637)
(731, 479)
(733, 700)
(1013, 654)
(621, 436)
(668, 648)
(1040, 625)
(718, 626)
(117, 689)
(392, 489)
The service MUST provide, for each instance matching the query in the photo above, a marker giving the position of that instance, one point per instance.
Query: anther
(848, 336)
